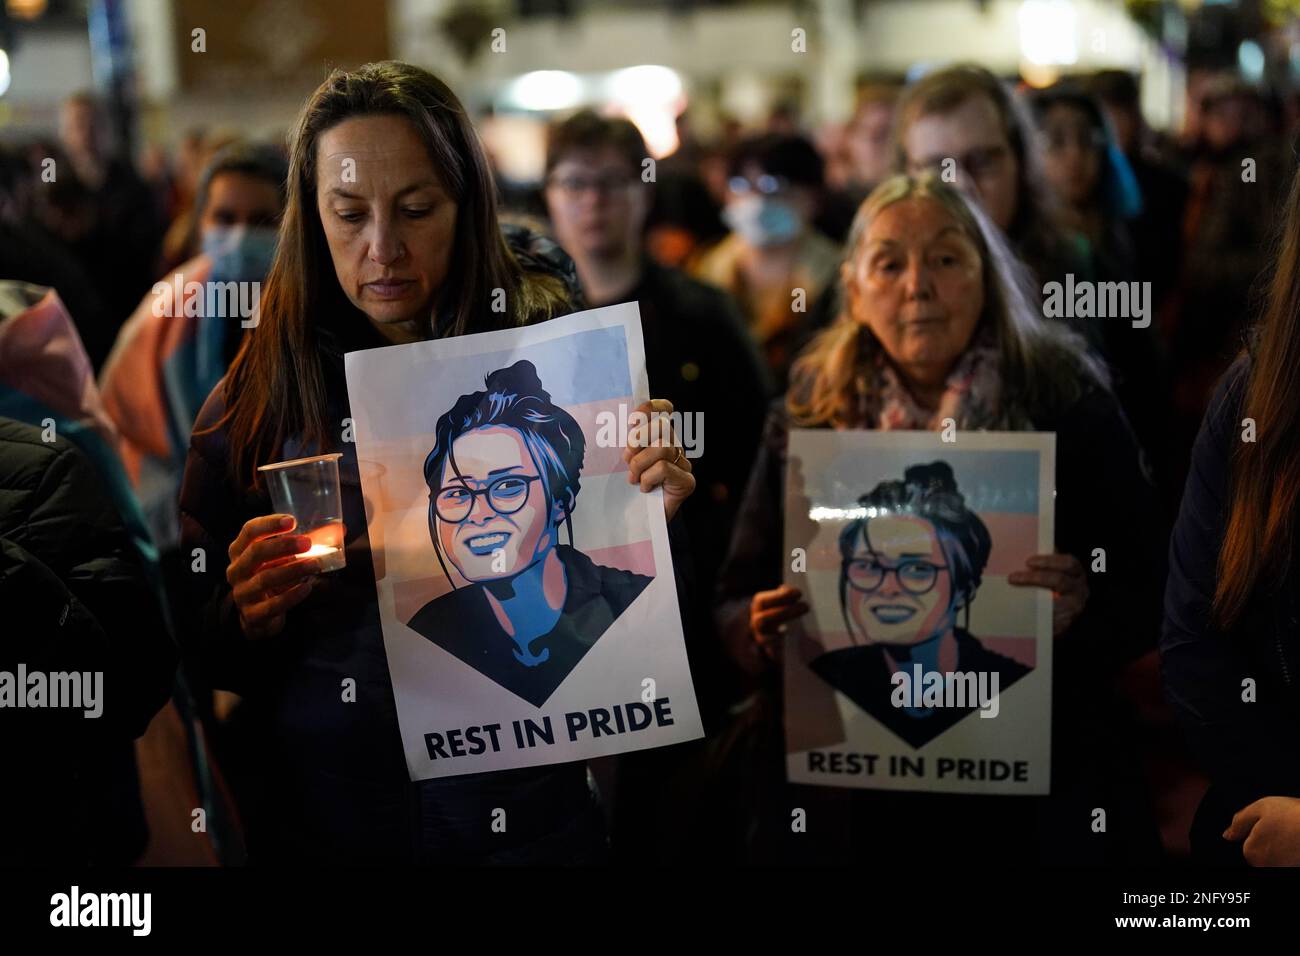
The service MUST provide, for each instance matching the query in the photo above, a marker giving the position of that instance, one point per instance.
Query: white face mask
(762, 221)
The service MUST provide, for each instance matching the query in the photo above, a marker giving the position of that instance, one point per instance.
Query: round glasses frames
(915, 575)
(505, 495)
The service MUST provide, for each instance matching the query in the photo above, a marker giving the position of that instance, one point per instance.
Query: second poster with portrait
(919, 666)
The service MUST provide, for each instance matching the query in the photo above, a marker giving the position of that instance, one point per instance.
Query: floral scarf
(972, 394)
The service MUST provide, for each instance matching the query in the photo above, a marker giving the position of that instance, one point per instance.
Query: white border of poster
(629, 686)
(849, 734)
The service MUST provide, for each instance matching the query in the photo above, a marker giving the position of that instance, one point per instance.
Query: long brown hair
(1260, 534)
(275, 386)
(1044, 366)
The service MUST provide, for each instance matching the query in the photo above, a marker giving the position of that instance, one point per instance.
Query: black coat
(1249, 749)
(331, 782)
(700, 356)
(863, 674)
(463, 623)
(1104, 499)
(75, 597)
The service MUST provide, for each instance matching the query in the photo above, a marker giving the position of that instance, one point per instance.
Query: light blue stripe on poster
(988, 480)
(585, 367)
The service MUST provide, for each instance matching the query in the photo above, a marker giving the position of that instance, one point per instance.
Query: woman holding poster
(938, 332)
(390, 235)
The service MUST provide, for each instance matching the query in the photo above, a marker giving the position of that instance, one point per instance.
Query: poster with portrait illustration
(525, 586)
(919, 666)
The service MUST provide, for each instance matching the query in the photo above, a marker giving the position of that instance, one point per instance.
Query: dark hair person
(775, 183)
(1229, 651)
(937, 325)
(164, 362)
(1095, 188)
(390, 235)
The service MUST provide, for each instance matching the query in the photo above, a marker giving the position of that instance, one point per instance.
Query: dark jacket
(463, 623)
(1248, 748)
(1103, 500)
(700, 356)
(333, 779)
(863, 674)
(76, 597)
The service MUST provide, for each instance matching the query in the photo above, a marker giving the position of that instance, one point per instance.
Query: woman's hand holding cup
(266, 579)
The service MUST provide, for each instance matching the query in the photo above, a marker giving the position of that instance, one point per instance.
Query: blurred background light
(4, 72)
(544, 90)
(1250, 59)
(25, 9)
(651, 97)
(1048, 32)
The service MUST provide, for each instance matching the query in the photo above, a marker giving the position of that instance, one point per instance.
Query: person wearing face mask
(937, 325)
(774, 263)
(164, 362)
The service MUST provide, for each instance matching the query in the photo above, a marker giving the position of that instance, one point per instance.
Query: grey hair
(1045, 366)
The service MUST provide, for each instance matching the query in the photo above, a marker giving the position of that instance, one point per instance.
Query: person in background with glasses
(964, 125)
(908, 570)
(503, 479)
(774, 263)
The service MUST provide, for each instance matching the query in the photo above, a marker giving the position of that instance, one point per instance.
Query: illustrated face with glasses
(493, 518)
(896, 584)
(974, 135)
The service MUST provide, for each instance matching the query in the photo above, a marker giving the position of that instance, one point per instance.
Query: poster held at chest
(525, 588)
(919, 667)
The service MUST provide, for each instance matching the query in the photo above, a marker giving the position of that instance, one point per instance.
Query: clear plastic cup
(308, 489)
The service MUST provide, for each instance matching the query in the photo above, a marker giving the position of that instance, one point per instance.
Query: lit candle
(316, 551)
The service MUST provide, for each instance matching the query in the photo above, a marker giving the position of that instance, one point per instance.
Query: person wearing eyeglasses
(698, 353)
(967, 126)
(964, 125)
(774, 263)
(907, 572)
(503, 480)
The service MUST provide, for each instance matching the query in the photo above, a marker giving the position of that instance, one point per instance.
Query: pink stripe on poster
(637, 557)
(1022, 649)
(602, 459)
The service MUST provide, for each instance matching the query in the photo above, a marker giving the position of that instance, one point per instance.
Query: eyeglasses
(766, 184)
(505, 495)
(915, 575)
(610, 184)
(977, 163)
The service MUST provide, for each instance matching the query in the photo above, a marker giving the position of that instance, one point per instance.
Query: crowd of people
(776, 271)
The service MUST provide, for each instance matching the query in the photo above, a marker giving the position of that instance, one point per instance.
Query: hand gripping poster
(525, 588)
(919, 667)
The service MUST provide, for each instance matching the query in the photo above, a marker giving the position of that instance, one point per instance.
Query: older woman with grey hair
(937, 324)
